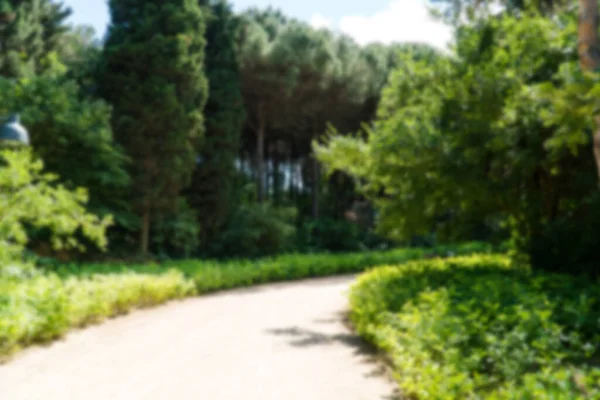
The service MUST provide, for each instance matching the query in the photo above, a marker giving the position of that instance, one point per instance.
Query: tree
(265, 88)
(313, 100)
(72, 134)
(81, 52)
(31, 197)
(153, 75)
(211, 191)
(30, 32)
(589, 56)
(477, 136)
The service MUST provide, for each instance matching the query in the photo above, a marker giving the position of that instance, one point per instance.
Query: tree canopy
(152, 74)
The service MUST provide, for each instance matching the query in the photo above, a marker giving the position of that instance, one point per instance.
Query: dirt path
(280, 342)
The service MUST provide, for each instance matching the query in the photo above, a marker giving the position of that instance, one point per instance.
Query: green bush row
(210, 276)
(480, 328)
(45, 307)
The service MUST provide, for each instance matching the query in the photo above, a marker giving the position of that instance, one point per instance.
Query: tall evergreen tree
(212, 186)
(30, 30)
(153, 74)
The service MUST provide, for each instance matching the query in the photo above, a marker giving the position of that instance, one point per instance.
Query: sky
(383, 21)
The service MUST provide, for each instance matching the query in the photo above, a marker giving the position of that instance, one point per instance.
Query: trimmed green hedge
(479, 328)
(45, 307)
(211, 276)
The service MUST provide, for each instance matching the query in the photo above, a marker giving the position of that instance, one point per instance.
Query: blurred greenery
(203, 149)
(481, 327)
(488, 142)
(60, 297)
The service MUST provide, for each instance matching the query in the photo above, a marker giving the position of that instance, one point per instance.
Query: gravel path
(279, 342)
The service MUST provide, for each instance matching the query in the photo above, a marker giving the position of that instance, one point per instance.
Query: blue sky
(367, 21)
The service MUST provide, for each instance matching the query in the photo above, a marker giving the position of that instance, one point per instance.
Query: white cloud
(318, 21)
(401, 21)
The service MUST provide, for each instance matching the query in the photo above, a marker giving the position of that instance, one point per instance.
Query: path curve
(275, 342)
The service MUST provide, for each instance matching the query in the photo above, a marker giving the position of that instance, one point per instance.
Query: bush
(177, 235)
(255, 230)
(211, 276)
(570, 244)
(330, 235)
(45, 307)
(479, 327)
(31, 199)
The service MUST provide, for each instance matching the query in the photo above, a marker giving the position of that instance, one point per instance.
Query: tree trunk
(316, 177)
(292, 183)
(589, 56)
(315, 191)
(276, 177)
(145, 231)
(597, 145)
(260, 163)
(290, 173)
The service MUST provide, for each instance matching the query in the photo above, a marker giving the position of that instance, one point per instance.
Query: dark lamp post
(13, 131)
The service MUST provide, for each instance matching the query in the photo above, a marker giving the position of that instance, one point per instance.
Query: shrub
(45, 307)
(331, 235)
(177, 234)
(255, 230)
(571, 243)
(479, 327)
(211, 275)
(31, 199)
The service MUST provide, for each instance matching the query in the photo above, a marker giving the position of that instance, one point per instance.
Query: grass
(47, 306)
(479, 327)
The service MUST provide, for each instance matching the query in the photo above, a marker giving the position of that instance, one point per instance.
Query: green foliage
(256, 230)
(30, 36)
(491, 138)
(152, 74)
(177, 234)
(211, 192)
(210, 276)
(46, 307)
(478, 327)
(30, 198)
(338, 235)
(80, 51)
(571, 243)
(330, 235)
(72, 134)
(296, 79)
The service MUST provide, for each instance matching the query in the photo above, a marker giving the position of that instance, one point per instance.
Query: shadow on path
(305, 338)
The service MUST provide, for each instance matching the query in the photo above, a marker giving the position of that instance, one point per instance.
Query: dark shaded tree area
(152, 73)
(192, 125)
(195, 127)
(211, 192)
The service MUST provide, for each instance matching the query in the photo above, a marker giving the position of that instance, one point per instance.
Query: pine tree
(30, 31)
(211, 191)
(153, 75)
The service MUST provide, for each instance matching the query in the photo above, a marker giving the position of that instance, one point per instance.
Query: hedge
(479, 327)
(47, 306)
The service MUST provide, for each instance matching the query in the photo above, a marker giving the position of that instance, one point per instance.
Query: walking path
(276, 342)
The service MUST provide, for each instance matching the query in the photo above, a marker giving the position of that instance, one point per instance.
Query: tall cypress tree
(153, 74)
(211, 191)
